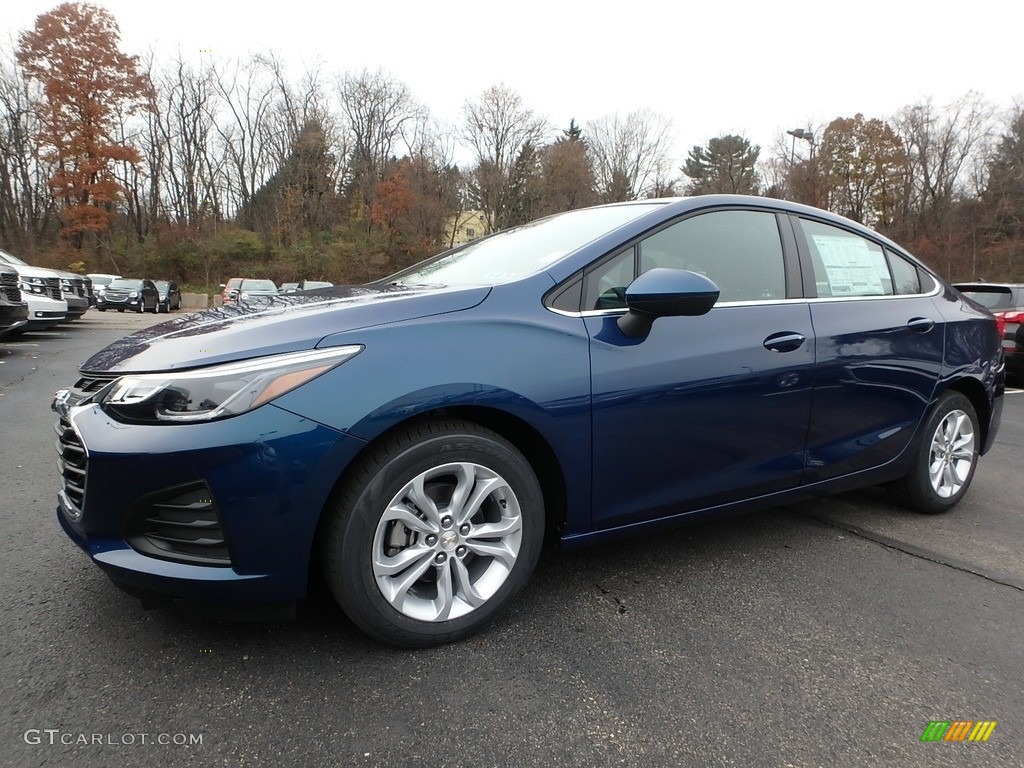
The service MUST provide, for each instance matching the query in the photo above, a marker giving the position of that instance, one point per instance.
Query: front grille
(75, 286)
(9, 287)
(73, 464)
(89, 383)
(53, 289)
(179, 524)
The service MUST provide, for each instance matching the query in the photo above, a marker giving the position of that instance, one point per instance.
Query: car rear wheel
(946, 457)
(434, 534)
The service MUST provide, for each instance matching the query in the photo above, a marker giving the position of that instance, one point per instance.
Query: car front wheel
(946, 457)
(434, 534)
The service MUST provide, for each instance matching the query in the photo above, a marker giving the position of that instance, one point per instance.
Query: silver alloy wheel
(447, 541)
(951, 455)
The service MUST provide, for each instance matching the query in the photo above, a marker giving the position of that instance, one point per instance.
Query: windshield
(520, 251)
(5, 256)
(258, 285)
(101, 281)
(131, 285)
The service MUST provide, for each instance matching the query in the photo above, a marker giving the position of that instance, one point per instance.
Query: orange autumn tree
(87, 84)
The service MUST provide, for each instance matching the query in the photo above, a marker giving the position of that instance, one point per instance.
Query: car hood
(273, 325)
(29, 271)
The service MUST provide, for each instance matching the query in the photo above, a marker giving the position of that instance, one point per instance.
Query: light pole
(800, 133)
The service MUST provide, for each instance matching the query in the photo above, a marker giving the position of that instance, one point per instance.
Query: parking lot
(828, 633)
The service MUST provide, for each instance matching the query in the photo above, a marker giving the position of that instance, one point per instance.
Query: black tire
(356, 529)
(953, 413)
(101, 309)
(120, 309)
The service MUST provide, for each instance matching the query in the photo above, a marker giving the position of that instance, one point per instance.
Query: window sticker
(849, 266)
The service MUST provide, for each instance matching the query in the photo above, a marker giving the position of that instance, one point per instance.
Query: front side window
(604, 286)
(740, 251)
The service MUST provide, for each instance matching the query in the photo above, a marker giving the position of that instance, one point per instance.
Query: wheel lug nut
(460, 551)
(440, 557)
(464, 529)
(431, 539)
(446, 521)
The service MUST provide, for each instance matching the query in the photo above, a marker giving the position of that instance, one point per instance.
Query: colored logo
(958, 730)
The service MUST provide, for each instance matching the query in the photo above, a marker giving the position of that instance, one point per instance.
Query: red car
(1006, 302)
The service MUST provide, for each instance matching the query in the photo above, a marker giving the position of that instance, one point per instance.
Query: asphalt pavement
(828, 633)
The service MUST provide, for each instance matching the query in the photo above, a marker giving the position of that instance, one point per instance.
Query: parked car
(41, 289)
(129, 293)
(229, 290)
(1006, 301)
(13, 308)
(75, 294)
(595, 374)
(169, 295)
(239, 289)
(305, 285)
(252, 289)
(100, 281)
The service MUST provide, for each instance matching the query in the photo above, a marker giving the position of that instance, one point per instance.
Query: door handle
(920, 324)
(785, 341)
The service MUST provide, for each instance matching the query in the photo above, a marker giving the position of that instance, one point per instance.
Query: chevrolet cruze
(595, 374)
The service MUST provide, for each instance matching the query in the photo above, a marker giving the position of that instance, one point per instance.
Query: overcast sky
(753, 68)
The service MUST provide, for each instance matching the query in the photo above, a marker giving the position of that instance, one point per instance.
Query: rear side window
(846, 264)
(905, 279)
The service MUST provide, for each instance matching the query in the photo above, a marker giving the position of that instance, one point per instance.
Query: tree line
(194, 168)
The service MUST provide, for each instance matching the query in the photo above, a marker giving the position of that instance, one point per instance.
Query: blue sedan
(600, 373)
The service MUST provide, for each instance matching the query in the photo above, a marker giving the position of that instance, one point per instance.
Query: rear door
(878, 339)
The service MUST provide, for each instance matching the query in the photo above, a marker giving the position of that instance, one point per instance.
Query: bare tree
(629, 153)
(498, 128)
(939, 145)
(181, 146)
(380, 113)
(26, 207)
(248, 97)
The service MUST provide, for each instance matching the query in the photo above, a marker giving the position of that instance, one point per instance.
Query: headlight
(219, 391)
(133, 295)
(33, 285)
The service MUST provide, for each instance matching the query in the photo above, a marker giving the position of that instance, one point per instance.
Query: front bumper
(12, 317)
(269, 474)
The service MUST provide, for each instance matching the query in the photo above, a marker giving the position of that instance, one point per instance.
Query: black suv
(13, 309)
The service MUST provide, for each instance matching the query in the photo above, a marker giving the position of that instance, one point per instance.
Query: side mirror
(222, 285)
(663, 292)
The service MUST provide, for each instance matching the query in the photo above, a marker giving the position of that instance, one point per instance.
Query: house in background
(465, 226)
